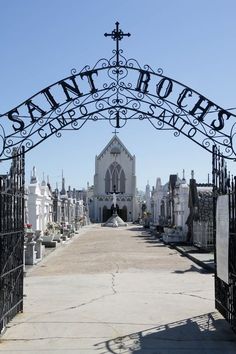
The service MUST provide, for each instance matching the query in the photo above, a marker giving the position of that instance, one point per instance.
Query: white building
(181, 208)
(169, 203)
(114, 172)
(157, 201)
(40, 204)
(148, 198)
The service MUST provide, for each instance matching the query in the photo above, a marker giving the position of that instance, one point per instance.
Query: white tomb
(40, 204)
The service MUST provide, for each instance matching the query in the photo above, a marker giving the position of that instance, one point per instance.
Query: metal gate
(224, 184)
(11, 240)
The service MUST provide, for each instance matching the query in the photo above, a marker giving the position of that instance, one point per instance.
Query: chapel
(114, 173)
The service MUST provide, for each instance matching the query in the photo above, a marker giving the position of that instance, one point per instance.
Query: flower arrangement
(52, 227)
(28, 227)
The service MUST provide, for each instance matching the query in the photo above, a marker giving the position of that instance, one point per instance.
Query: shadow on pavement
(203, 258)
(147, 237)
(192, 268)
(207, 333)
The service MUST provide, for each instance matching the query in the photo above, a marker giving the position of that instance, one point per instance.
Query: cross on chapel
(115, 132)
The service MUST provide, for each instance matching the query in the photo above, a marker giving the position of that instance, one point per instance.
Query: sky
(193, 41)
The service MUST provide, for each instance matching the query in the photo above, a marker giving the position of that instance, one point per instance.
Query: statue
(114, 200)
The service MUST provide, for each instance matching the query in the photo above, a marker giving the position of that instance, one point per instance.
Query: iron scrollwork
(117, 90)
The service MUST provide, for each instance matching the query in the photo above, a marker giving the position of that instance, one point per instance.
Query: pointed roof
(43, 183)
(116, 143)
(158, 183)
(33, 178)
(63, 189)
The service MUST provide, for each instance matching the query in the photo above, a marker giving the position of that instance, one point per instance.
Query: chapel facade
(114, 173)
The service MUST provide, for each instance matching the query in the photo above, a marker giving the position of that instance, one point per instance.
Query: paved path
(118, 291)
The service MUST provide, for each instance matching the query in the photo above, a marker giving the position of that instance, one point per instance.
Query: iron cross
(117, 35)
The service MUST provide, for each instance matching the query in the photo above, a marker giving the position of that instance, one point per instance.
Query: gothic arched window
(107, 182)
(115, 177)
(122, 182)
(115, 180)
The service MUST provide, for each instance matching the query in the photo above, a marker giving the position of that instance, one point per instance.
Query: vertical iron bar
(12, 239)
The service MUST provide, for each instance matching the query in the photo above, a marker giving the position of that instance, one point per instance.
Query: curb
(208, 267)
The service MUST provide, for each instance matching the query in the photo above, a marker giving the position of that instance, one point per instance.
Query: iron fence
(11, 240)
(225, 293)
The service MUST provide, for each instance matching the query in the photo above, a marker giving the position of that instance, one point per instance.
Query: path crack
(61, 310)
(113, 279)
(186, 294)
(47, 338)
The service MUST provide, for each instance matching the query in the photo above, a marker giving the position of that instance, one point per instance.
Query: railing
(11, 241)
(225, 293)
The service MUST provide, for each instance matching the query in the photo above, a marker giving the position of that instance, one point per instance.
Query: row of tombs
(181, 212)
(37, 243)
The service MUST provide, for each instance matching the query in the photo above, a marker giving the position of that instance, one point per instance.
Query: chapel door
(123, 213)
(106, 213)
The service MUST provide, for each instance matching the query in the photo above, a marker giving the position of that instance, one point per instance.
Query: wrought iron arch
(117, 90)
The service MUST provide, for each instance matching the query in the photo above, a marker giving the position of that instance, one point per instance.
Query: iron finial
(117, 35)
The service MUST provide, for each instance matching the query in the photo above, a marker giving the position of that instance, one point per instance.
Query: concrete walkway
(118, 291)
